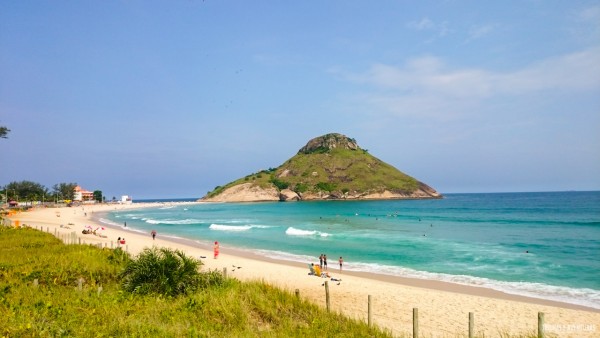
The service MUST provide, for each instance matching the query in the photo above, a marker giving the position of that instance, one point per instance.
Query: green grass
(57, 308)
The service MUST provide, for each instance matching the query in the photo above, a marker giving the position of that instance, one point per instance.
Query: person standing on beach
(321, 261)
(325, 262)
(153, 234)
(216, 249)
(341, 263)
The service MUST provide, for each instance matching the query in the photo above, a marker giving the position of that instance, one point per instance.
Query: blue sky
(161, 99)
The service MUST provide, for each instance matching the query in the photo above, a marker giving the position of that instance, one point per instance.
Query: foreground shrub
(162, 271)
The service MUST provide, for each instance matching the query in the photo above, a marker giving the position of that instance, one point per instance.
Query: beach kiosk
(126, 199)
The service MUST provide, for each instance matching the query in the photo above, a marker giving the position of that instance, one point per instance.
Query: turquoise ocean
(544, 245)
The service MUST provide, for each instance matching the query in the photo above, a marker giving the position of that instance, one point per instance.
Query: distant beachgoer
(216, 250)
(125, 225)
(153, 234)
(321, 261)
(341, 261)
(325, 262)
(122, 241)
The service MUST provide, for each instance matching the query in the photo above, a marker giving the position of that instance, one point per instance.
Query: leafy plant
(325, 186)
(162, 271)
(279, 183)
(301, 187)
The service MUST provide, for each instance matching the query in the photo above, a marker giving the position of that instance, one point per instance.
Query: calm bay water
(545, 245)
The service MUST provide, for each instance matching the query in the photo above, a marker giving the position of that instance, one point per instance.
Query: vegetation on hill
(333, 164)
(225, 308)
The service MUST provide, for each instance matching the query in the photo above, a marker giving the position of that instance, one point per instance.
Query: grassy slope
(56, 308)
(345, 171)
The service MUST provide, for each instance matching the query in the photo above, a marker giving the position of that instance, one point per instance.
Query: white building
(125, 199)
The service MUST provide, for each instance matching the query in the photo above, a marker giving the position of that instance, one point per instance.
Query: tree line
(27, 191)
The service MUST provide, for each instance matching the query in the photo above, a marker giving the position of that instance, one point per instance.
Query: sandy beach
(443, 308)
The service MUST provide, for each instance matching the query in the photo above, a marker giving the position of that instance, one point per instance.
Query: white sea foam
(285, 256)
(291, 231)
(584, 297)
(173, 221)
(222, 227)
(109, 222)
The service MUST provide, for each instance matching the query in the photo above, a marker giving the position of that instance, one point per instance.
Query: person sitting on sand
(317, 271)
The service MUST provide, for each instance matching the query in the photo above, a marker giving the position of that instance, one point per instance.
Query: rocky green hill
(331, 166)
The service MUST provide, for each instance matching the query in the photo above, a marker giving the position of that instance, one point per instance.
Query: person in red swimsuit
(216, 249)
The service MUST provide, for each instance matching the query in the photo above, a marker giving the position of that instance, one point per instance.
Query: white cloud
(590, 14)
(575, 71)
(426, 86)
(586, 24)
(440, 29)
(423, 24)
(477, 32)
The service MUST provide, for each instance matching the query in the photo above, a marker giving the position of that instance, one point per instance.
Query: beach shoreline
(401, 280)
(443, 306)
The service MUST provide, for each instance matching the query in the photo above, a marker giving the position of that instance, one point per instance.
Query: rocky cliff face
(246, 192)
(329, 142)
(328, 167)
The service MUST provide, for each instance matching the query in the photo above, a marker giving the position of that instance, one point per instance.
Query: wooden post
(80, 284)
(111, 244)
(48, 229)
(225, 272)
(327, 296)
(369, 322)
(541, 325)
(415, 322)
(471, 324)
(297, 293)
(79, 240)
(54, 231)
(127, 248)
